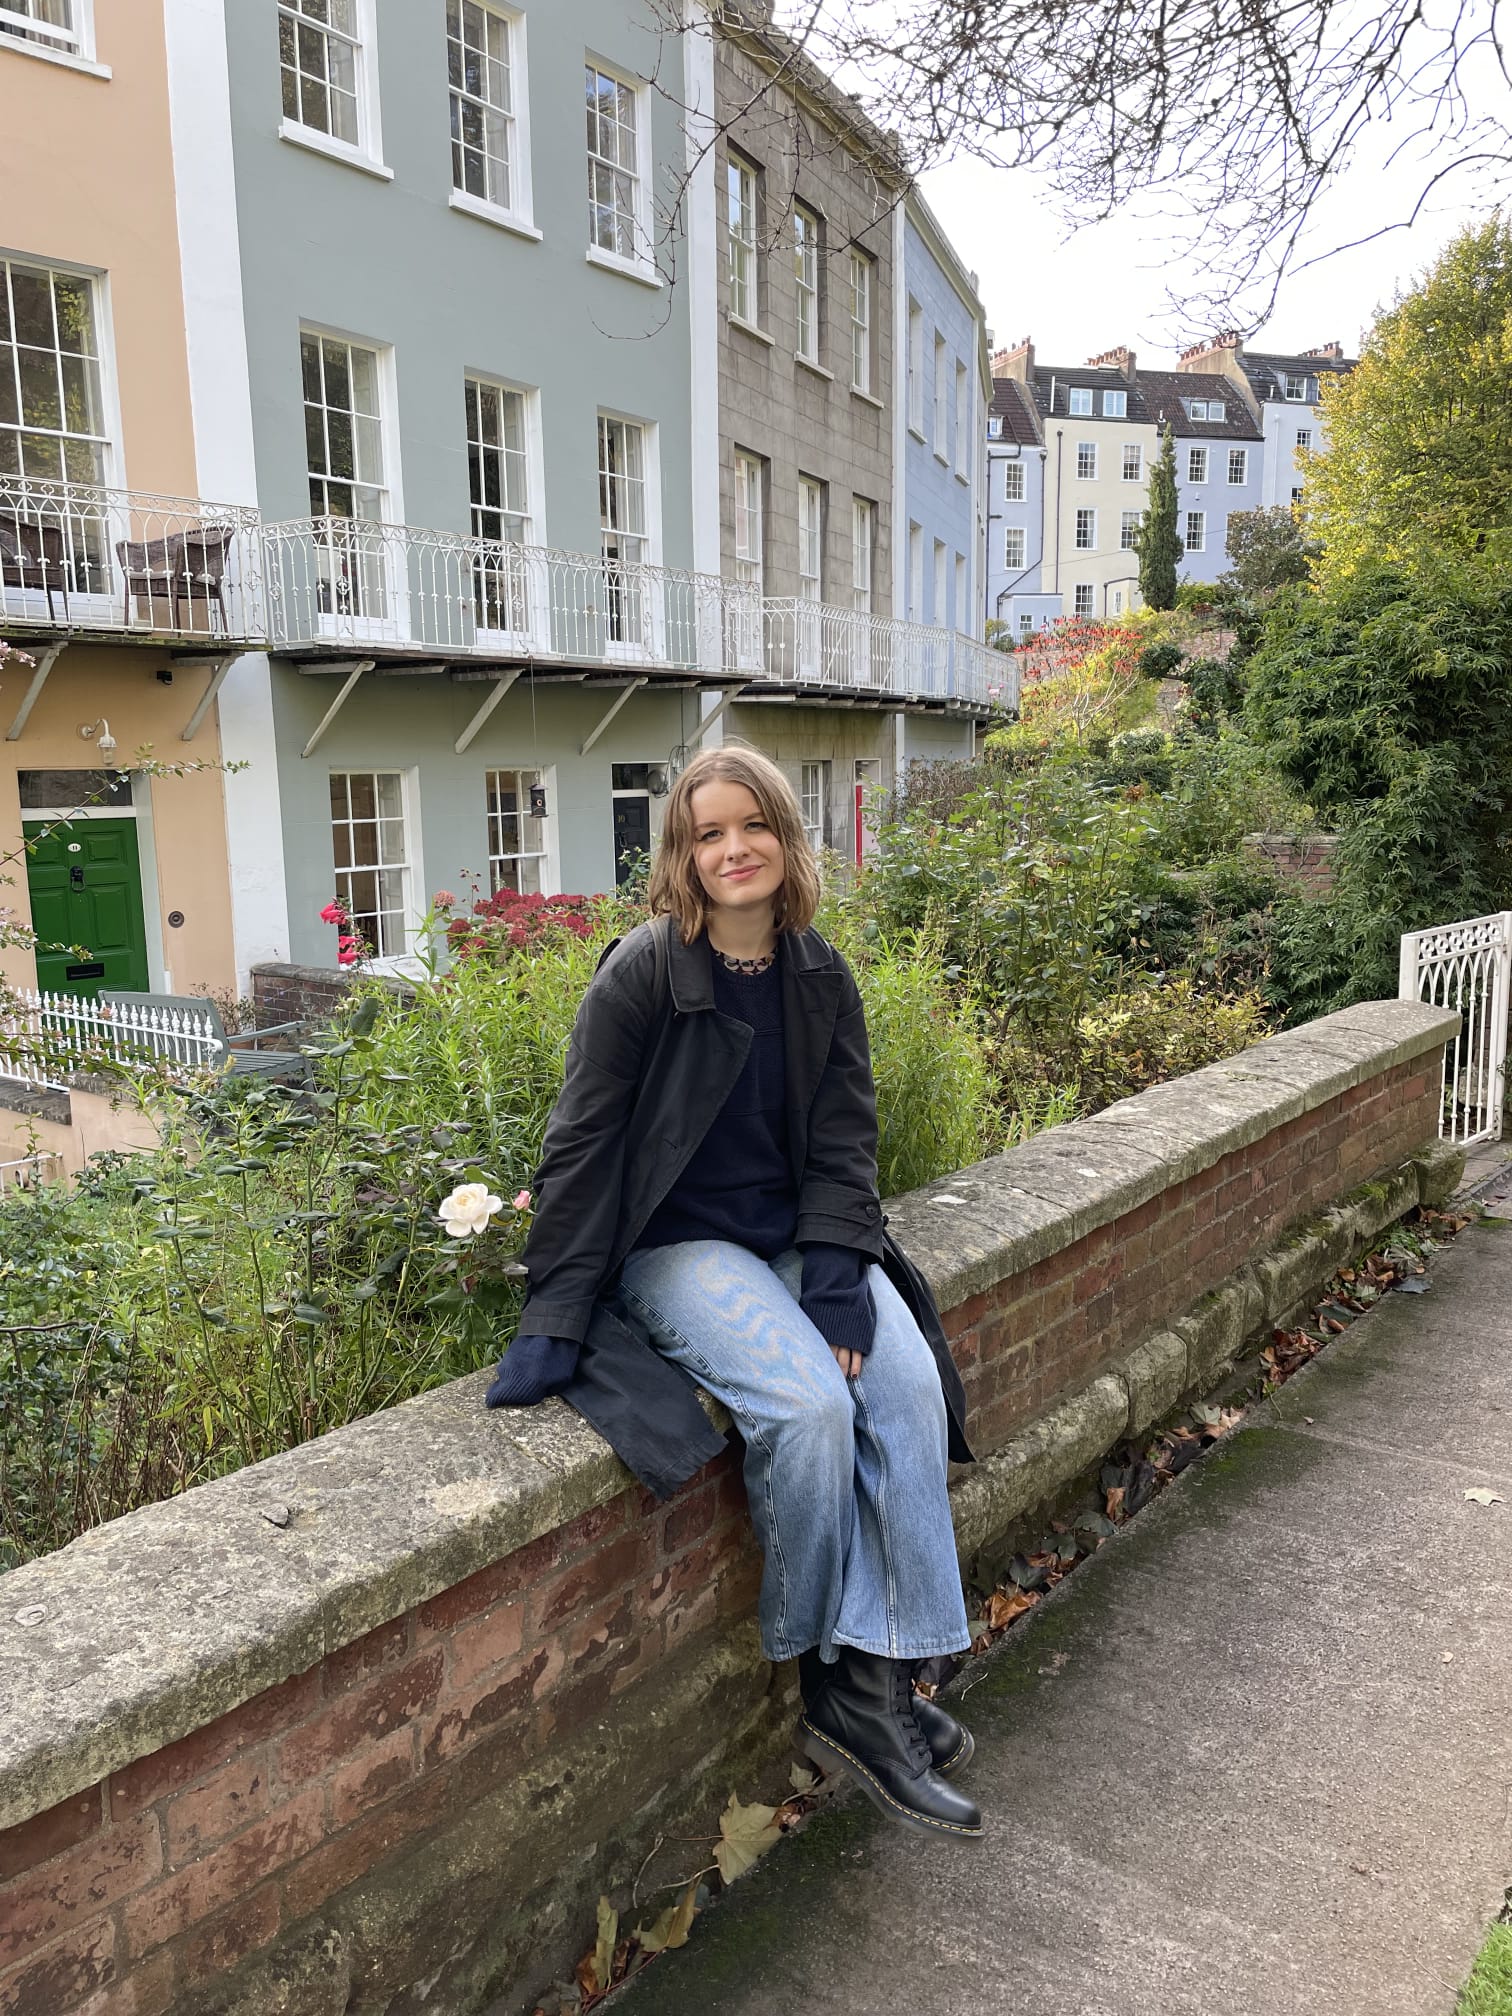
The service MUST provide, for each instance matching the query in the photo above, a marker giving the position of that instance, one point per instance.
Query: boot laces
(903, 1705)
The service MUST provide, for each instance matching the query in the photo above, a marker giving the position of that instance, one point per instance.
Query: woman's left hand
(850, 1362)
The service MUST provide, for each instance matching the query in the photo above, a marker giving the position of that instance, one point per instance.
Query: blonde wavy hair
(675, 889)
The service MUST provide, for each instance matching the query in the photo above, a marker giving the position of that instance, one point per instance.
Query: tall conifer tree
(1158, 543)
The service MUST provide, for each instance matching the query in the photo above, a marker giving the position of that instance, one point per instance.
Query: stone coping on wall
(152, 1626)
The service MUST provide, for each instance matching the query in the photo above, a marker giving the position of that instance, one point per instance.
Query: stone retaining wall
(1304, 858)
(367, 1727)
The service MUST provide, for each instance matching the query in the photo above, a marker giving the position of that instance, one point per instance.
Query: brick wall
(287, 993)
(236, 1844)
(1304, 858)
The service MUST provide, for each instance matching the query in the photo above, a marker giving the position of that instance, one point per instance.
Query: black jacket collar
(803, 952)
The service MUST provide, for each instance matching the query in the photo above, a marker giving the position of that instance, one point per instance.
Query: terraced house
(132, 596)
(1285, 391)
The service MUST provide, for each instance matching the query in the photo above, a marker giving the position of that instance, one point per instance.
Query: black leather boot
(950, 1744)
(863, 1723)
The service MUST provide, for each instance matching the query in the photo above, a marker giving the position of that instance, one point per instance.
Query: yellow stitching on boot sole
(923, 1819)
(958, 1753)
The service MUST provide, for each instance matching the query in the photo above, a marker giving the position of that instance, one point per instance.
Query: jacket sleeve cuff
(837, 1297)
(819, 1228)
(567, 1320)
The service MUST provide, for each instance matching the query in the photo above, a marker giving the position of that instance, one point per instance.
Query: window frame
(106, 444)
(545, 855)
(1013, 464)
(862, 326)
(1238, 458)
(1015, 564)
(1303, 443)
(1115, 404)
(367, 150)
(813, 786)
(1075, 395)
(1084, 598)
(404, 868)
(994, 426)
(1299, 379)
(808, 289)
(1128, 533)
(1136, 450)
(1086, 521)
(963, 429)
(810, 523)
(638, 264)
(863, 542)
(1197, 464)
(519, 212)
(940, 586)
(73, 45)
(940, 424)
(749, 567)
(1086, 461)
(915, 368)
(743, 273)
(1200, 518)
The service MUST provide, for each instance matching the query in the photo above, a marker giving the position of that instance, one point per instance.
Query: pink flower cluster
(349, 945)
(512, 922)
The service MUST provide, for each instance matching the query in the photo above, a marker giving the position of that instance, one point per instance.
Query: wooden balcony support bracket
(496, 693)
(46, 659)
(357, 668)
(609, 713)
(218, 669)
(714, 714)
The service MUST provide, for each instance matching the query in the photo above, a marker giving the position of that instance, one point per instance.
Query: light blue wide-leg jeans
(846, 1477)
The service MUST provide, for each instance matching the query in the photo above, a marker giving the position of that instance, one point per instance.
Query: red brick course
(120, 1900)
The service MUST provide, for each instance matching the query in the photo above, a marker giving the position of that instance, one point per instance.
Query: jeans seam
(745, 1414)
(884, 1536)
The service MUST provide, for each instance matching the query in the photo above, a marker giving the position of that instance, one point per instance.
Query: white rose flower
(467, 1210)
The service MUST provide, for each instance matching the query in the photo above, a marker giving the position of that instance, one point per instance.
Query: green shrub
(1159, 1030)
(1161, 661)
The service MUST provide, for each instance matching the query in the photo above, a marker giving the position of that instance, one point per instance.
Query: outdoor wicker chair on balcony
(182, 567)
(31, 556)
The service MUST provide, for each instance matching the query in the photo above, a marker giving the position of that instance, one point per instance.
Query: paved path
(1253, 1759)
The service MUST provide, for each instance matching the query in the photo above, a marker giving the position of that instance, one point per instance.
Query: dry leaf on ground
(745, 1834)
(1480, 1495)
(672, 1926)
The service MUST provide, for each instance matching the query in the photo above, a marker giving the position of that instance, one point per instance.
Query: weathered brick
(463, 1719)
(216, 1947)
(219, 1806)
(359, 1718)
(48, 1834)
(486, 1642)
(228, 1873)
(148, 1989)
(79, 1883)
(597, 1574)
(689, 1517)
(358, 1787)
(350, 1854)
(366, 1655)
(59, 1978)
(272, 1712)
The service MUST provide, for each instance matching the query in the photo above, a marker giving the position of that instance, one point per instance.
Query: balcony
(844, 651)
(408, 591)
(81, 559)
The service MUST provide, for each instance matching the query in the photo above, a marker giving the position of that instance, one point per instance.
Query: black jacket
(649, 1068)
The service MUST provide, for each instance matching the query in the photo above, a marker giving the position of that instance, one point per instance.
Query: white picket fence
(1467, 966)
(28, 1171)
(52, 1036)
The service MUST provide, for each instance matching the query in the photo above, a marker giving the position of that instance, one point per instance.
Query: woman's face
(737, 855)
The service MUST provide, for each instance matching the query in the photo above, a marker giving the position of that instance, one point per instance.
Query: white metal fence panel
(27, 1172)
(1466, 966)
(50, 1037)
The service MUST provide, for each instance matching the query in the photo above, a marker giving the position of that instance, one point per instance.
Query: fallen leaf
(601, 1961)
(1481, 1495)
(671, 1927)
(802, 1779)
(745, 1834)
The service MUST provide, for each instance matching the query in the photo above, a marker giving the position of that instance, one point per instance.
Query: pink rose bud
(522, 1200)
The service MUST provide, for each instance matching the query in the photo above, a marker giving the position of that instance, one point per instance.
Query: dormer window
(1079, 399)
(1115, 405)
(1205, 409)
(1296, 385)
(994, 427)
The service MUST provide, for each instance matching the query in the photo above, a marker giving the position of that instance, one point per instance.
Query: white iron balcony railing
(79, 556)
(354, 582)
(1466, 966)
(815, 643)
(47, 1038)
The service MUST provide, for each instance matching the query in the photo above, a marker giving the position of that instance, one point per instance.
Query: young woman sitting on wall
(707, 1211)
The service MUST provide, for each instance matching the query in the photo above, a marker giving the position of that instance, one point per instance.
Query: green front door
(85, 881)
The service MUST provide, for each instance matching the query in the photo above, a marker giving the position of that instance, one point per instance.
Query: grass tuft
(1488, 1992)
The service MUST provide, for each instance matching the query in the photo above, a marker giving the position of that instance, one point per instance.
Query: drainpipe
(1059, 438)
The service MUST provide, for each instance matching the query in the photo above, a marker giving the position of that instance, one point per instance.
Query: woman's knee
(819, 1429)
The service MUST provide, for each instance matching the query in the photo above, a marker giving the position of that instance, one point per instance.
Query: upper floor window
(941, 401)
(863, 538)
(1086, 531)
(750, 543)
(741, 179)
(1206, 409)
(1013, 547)
(1079, 400)
(482, 61)
(1013, 481)
(1304, 437)
(52, 420)
(806, 279)
(624, 522)
(1197, 465)
(1296, 385)
(62, 26)
(1296, 495)
(320, 58)
(1238, 465)
(1128, 530)
(962, 424)
(343, 428)
(1081, 599)
(615, 182)
(915, 367)
(1133, 462)
(994, 427)
(1086, 459)
(1196, 531)
(810, 539)
(861, 321)
(498, 462)
(1115, 405)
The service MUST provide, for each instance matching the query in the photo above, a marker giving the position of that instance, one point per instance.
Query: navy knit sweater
(738, 1187)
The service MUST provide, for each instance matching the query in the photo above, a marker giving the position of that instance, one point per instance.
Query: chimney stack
(1335, 350)
(1210, 355)
(1121, 359)
(1016, 363)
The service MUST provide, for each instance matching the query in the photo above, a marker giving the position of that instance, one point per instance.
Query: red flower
(334, 914)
